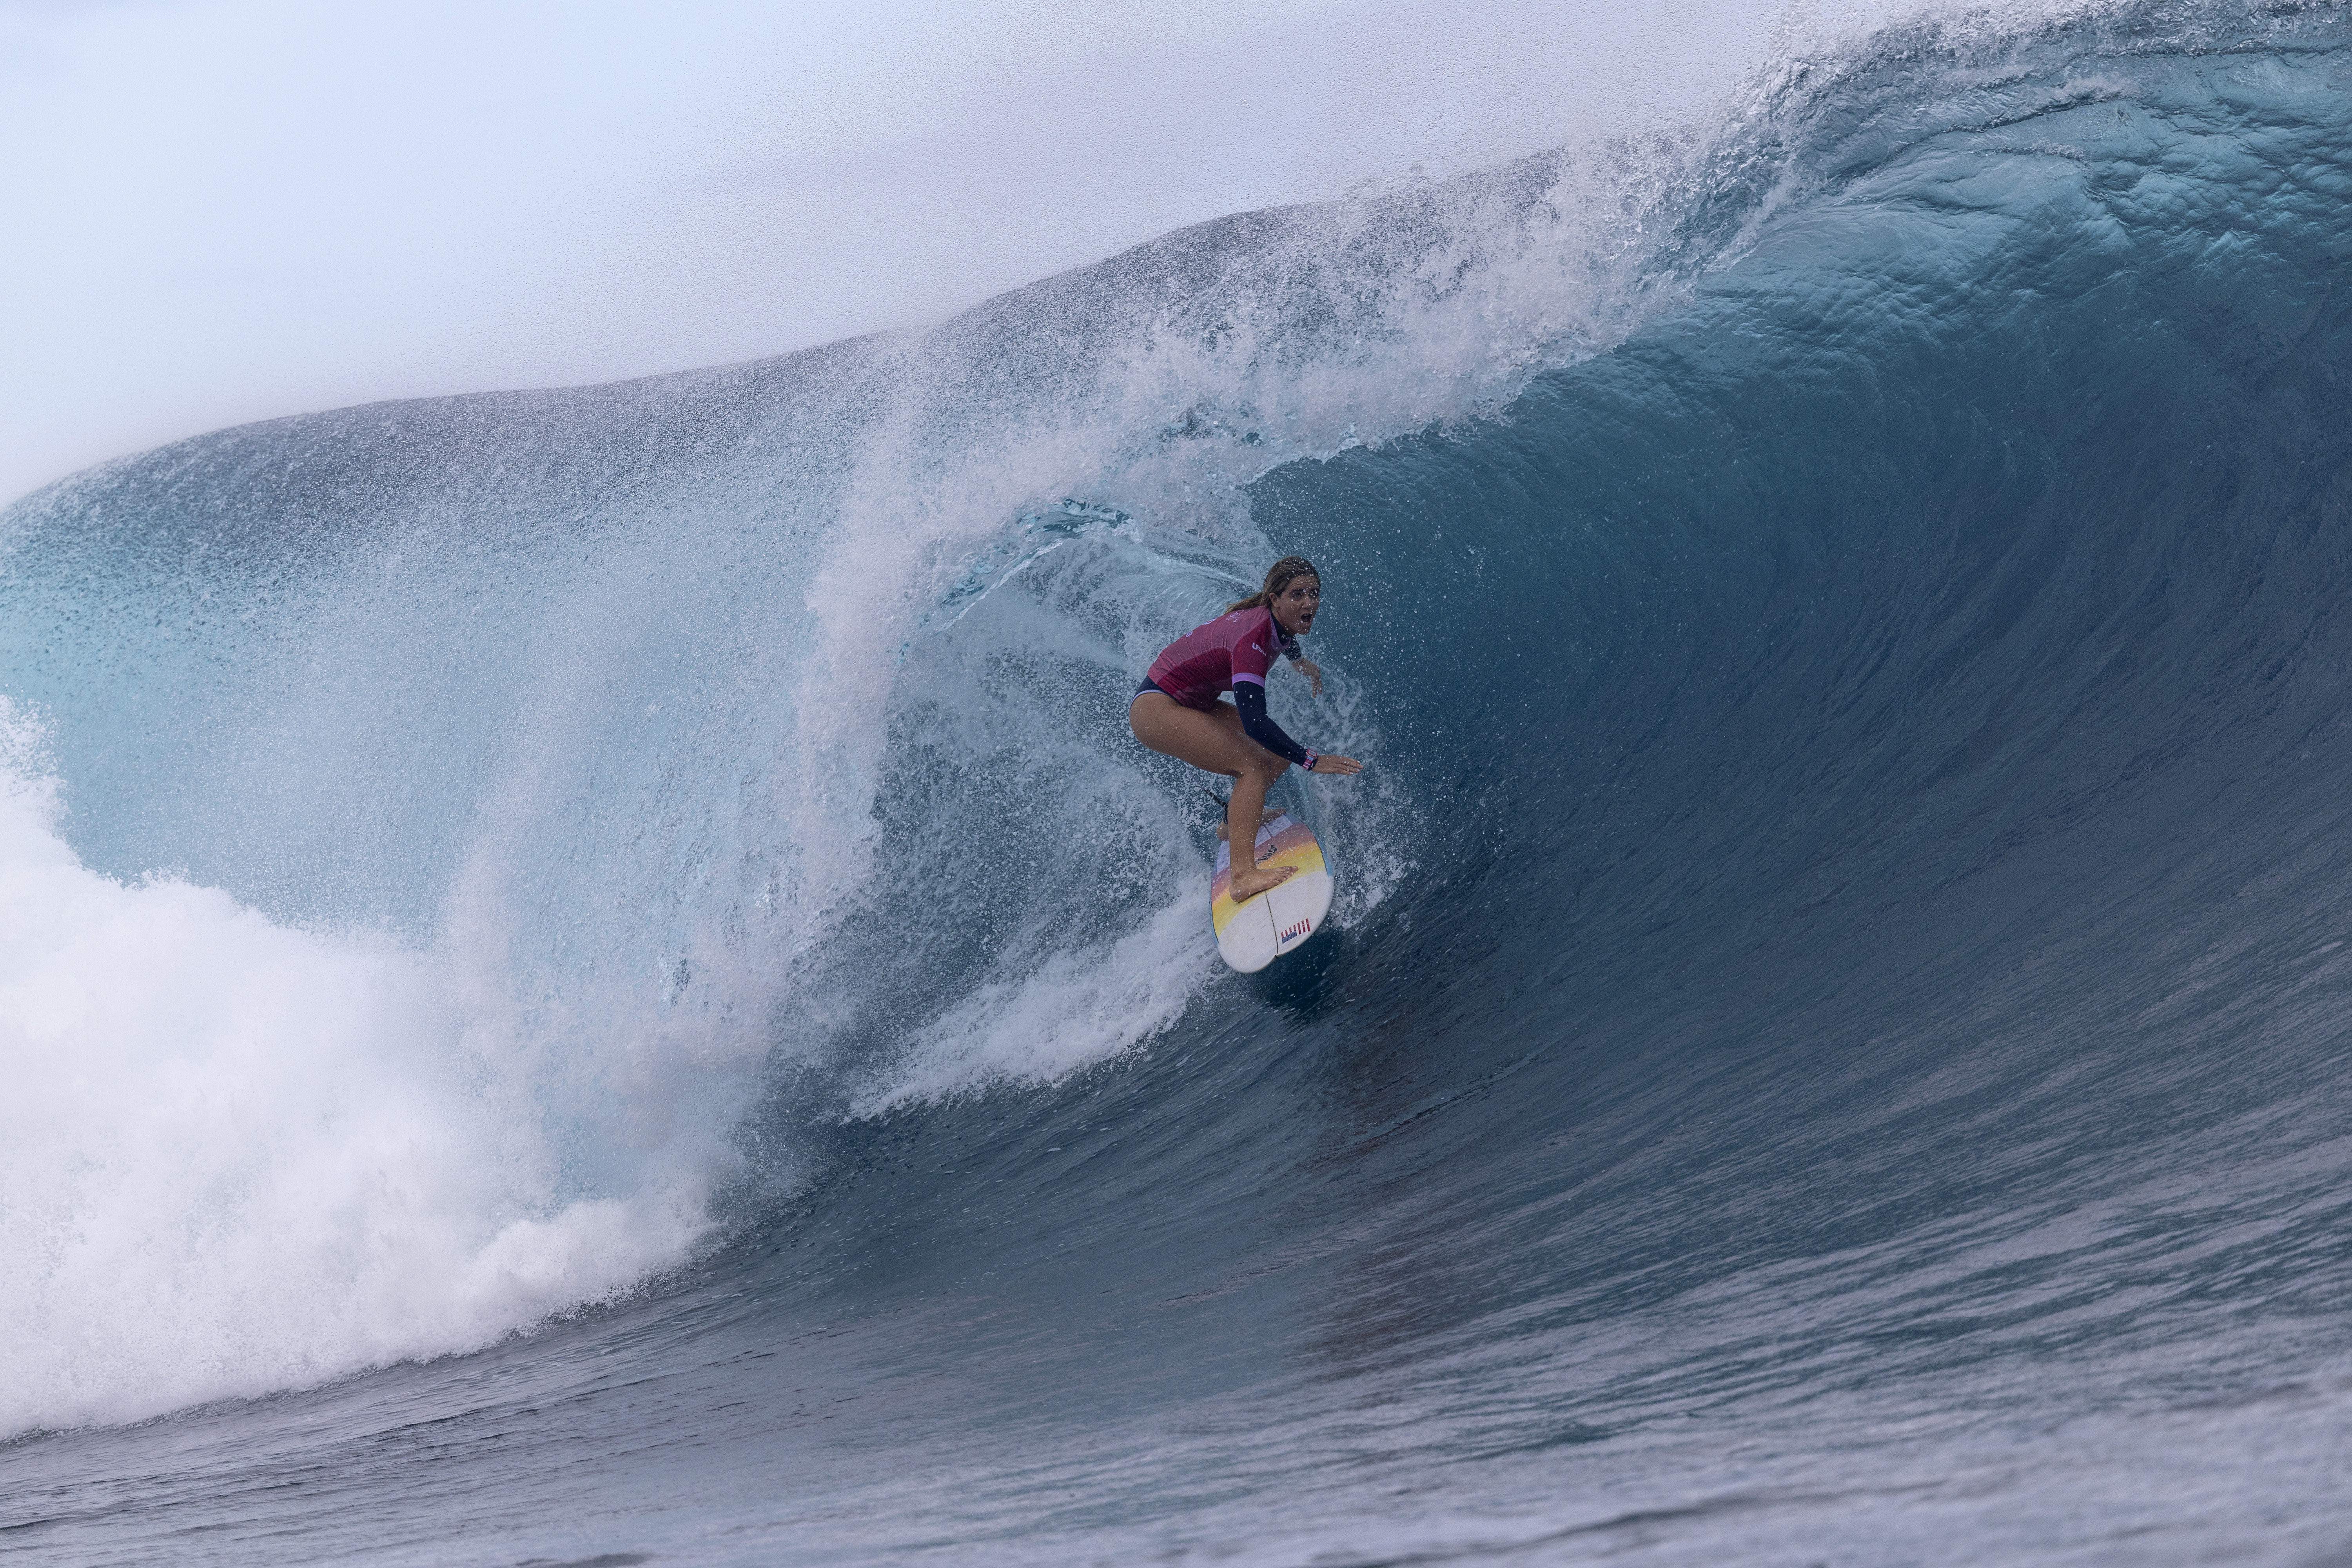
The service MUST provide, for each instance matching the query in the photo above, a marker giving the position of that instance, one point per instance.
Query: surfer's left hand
(1313, 673)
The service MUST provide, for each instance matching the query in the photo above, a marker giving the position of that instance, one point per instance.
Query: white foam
(235, 1156)
(1075, 1008)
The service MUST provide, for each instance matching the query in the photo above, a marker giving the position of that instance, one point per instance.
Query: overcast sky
(224, 210)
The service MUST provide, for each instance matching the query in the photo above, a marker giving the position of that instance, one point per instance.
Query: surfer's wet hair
(1277, 578)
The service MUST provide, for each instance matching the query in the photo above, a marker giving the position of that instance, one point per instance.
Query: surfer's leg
(1246, 807)
(1226, 713)
(1214, 743)
(1242, 813)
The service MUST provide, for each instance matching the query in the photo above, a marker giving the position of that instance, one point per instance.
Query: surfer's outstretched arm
(1249, 701)
(1249, 704)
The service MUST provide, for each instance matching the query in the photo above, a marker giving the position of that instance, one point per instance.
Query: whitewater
(593, 975)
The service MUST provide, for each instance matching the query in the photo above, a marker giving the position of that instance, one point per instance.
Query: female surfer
(1176, 711)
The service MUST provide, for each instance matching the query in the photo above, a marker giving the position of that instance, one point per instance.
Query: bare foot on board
(1247, 885)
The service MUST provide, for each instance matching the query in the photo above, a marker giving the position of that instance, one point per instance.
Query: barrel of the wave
(1253, 934)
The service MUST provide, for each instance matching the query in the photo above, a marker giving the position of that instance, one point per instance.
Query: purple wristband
(1311, 760)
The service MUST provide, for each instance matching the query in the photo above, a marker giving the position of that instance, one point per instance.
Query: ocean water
(593, 977)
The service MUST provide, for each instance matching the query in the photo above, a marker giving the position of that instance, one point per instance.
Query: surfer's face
(1295, 605)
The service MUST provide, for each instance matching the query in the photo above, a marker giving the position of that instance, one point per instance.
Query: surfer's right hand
(1328, 764)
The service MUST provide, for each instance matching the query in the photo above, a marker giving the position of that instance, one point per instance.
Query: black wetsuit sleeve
(1259, 726)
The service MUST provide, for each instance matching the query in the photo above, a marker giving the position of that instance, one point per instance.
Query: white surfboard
(1253, 934)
